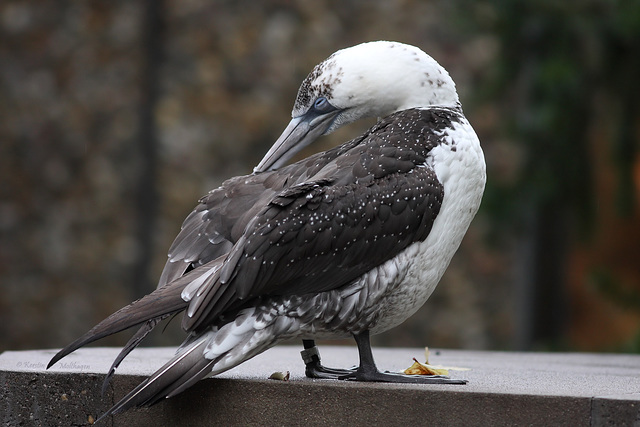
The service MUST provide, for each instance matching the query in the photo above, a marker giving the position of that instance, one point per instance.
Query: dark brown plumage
(350, 241)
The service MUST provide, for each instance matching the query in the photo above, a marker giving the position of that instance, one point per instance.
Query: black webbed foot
(367, 371)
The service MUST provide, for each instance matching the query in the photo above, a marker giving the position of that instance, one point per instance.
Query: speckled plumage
(350, 240)
(338, 208)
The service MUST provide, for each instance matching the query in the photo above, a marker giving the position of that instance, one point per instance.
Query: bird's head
(371, 79)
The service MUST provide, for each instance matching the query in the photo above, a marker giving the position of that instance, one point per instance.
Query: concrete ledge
(504, 389)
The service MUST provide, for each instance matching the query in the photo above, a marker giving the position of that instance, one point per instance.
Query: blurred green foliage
(558, 61)
(566, 81)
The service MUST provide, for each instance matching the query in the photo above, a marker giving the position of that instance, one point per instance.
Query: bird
(348, 242)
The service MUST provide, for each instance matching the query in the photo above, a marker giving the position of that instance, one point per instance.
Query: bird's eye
(321, 105)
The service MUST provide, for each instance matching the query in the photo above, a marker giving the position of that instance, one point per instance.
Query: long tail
(173, 274)
(183, 370)
(210, 353)
(133, 342)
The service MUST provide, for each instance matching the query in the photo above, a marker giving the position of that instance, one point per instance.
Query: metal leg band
(308, 353)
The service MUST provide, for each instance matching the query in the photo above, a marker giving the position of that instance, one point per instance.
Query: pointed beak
(300, 132)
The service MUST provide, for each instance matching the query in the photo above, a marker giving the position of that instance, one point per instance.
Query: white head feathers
(376, 79)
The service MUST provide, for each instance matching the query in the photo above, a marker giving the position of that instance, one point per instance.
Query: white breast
(460, 167)
(390, 293)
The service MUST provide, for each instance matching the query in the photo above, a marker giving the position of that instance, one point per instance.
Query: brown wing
(356, 212)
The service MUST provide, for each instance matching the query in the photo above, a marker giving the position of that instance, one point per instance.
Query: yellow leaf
(424, 369)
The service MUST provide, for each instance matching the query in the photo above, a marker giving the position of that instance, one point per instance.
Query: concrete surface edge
(44, 398)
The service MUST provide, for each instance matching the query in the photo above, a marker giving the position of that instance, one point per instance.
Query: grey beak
(300, 132)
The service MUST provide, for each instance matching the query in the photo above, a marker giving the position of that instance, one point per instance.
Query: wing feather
(302, 260)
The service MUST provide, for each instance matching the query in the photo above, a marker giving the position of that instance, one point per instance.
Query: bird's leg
(313, 367)
(367, 370)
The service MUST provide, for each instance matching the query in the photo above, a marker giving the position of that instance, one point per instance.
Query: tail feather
(171, 273)
(161, 302)
(133, 342)
(210, 352)
(187, 367)
(195, 374)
